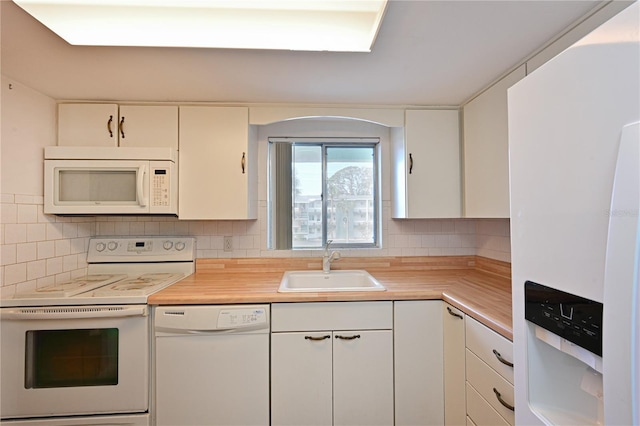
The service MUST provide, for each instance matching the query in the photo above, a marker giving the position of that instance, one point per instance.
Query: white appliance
(212, 365)
(110, 180)
(78, 352)
(575, 184)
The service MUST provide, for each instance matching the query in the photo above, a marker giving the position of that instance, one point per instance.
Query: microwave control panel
(160, 186)
(572, 317)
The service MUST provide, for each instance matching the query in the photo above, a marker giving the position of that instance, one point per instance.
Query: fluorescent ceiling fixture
(337, 25)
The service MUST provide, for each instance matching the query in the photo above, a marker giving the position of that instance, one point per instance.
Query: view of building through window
(347, 180)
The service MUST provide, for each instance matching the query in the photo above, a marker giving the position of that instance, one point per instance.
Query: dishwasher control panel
(241, 317)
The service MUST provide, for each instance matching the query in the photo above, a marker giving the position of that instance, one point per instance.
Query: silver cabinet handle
(502, 360)
(317, 338)
(502, 401)
(109, 126)
(455, 314)
(355, 336)
(410, 163)
(243, 162)
(121, 127)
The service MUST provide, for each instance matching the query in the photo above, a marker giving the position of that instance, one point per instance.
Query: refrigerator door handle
(621, 349)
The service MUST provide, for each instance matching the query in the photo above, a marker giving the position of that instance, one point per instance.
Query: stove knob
(112, 245)
(101, 246)
(167, 245)
(180, 246)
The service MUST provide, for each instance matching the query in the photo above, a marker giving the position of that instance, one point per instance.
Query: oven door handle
(73, 312)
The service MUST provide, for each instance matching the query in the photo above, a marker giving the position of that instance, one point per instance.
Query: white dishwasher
(212, 365)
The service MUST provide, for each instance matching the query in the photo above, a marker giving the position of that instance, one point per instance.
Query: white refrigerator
(575, 190)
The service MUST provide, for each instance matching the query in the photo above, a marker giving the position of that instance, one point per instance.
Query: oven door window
(71, 358)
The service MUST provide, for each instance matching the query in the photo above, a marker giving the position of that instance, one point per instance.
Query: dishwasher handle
(173, 331)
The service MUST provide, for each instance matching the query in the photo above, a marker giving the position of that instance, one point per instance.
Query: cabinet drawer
(480, 412)
(483, 341)
(331, 316)
(484, 380)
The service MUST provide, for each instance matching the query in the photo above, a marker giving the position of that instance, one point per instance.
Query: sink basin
(317, 281)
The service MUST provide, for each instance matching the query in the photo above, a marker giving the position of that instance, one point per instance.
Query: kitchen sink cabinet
(218, 166)
(112, 125)
(332, 373)
(425, 162)
(486, 151)
(453, 324)
(418, 360)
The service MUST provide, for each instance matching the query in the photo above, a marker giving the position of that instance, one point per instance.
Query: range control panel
(572, 317)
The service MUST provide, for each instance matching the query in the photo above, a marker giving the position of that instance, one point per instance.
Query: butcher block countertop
(478, 286)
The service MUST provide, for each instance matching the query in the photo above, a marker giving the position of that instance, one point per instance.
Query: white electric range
(78, 352)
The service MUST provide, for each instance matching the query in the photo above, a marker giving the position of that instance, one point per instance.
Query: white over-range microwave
(113, 180)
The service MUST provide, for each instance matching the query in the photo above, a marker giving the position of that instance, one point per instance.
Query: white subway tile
(136, 228)
(27, 213)
(15, 273)
(69, 263)
(63, 277)
(167, 228)
(151, 228)
(54, 231)
(182, 228)
(46, 249)
(79, 245)
(63, 247)
(36, 232)
(26, 252)
(15, 233)
(203, 242)
(46, 281)
(225, 227)
(70, 230)
(9, 254)
(54, 265)
(26, 286)
(9, 213)
(36, 269)
(7, 291)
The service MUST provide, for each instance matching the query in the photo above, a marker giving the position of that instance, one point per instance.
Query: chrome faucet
(327, 258)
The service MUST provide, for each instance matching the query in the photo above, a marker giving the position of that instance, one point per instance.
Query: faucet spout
(328, 257)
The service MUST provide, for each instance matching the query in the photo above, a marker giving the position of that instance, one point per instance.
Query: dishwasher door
(211, 365)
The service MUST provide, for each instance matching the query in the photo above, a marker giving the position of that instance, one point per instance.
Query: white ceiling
(426, 53)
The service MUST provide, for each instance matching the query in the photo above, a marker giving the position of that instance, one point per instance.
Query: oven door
(74, 360)
(96, 186)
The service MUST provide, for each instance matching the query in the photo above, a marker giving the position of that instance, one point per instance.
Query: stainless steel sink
(318, 281)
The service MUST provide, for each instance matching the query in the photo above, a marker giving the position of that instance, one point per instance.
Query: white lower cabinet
(332, 363)
(417, 330)
(453, 324)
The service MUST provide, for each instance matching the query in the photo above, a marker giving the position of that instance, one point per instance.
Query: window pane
(350, 199)
(307, 196)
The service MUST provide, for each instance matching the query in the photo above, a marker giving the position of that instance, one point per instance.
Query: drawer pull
(455, 314)
(502, 401)
(355, 336)
(317, 338)
(502, 360)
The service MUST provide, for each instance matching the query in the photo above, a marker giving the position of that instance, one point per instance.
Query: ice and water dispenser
(564, 353)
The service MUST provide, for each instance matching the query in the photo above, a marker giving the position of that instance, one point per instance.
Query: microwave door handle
(142, 200)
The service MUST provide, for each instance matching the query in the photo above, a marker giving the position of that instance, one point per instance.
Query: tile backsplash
(39, 249)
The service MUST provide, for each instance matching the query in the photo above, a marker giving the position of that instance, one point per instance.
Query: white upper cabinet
(218, 165)
(486, 151)
(111, 125)
(148, 126)
(425, 162)
(88, 125)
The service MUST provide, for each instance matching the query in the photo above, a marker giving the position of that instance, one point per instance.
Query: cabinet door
(426, 176)
(417, 331)
(486, 151)
(301, 371)
(148, 126)
(218, 164)
(453, 321)
(88, 125)
(363, 377)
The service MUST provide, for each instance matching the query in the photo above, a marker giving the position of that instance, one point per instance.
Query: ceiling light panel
(313, 25)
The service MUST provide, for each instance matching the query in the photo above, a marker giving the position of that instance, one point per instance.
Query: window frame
(324, 143)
